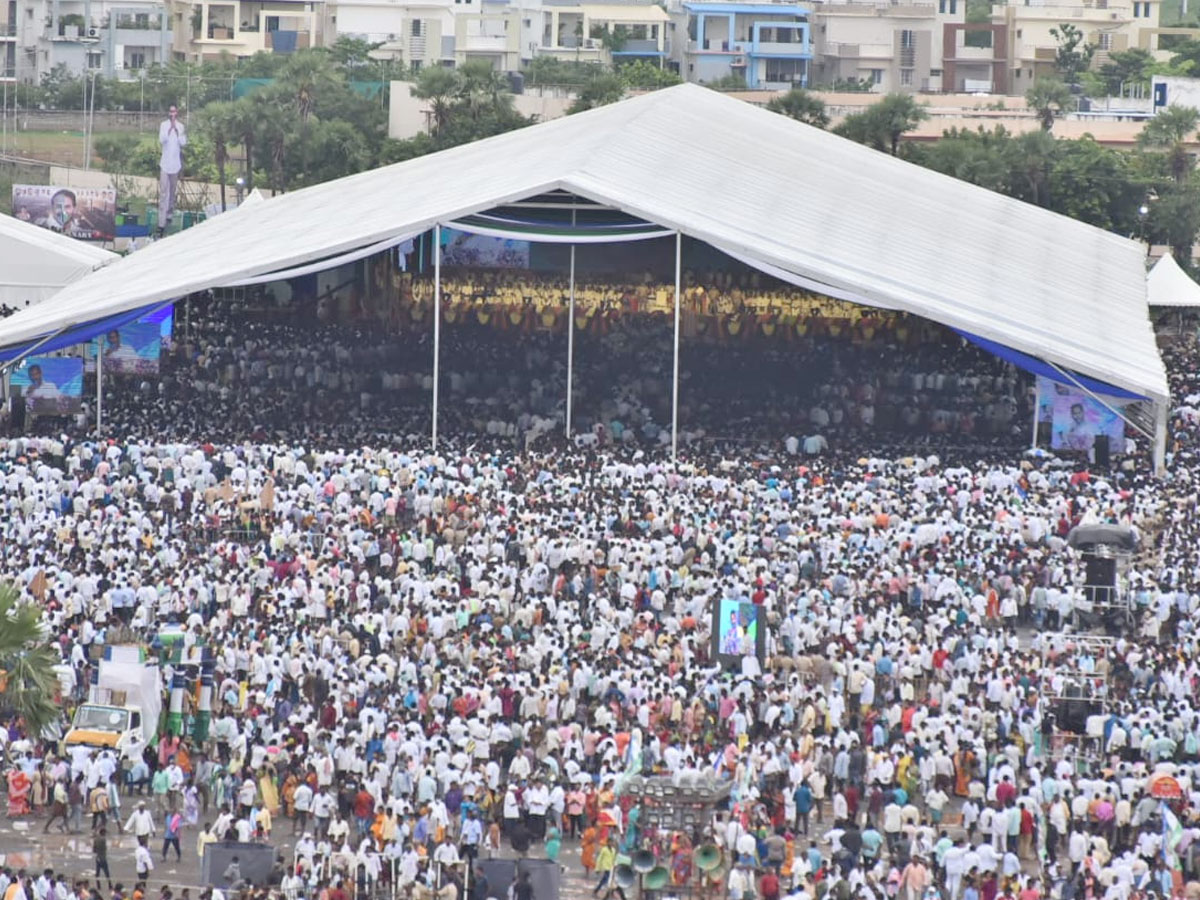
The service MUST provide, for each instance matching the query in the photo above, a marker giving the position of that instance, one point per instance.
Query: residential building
(422, 33)
(1109, 25)
(113, 39)
(206, 29)
(975, 58)
(768, 44)
(895, 46)
(604, 32)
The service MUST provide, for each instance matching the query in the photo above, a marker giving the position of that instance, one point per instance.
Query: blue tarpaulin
(80, 334)
(1054, 373)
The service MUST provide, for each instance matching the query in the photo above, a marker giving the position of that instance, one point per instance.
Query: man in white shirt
(172, 136)
(141, 823)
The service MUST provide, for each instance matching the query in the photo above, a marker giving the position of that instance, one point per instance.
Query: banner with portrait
(1075, 418)
(739, 630)
(89, 214)
(132, 349)
(49, 385)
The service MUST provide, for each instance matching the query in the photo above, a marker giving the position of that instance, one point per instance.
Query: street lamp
(241, 186)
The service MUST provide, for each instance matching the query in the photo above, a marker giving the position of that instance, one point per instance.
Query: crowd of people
(425, 659)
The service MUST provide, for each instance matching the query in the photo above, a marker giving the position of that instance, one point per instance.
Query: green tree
(351, 54)
(482, 90)
(243, 121)
(1170, 131)
(598, 92)
(802, 106)
(546, 70)
(613, 40)
(1186, 60)
(218, 120)
(307, 74)
(1125, 67)
(1174, 220)
(1048, 97)
(1073, 54)
(882, 124)
(643, 75)
(439, 86)
(28, 662)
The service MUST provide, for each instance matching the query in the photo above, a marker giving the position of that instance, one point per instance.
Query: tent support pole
(1160, 438)
(1036, 410)
(675, 367)
(437, 324)
(99, 383)
(571, 339)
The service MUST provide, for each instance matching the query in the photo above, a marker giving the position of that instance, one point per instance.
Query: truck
(123, 707)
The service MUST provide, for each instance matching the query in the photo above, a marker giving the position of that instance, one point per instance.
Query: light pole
(241, 185)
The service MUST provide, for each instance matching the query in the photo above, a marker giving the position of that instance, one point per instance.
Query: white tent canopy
(771, 191)
(36, 263)
(1168, 285)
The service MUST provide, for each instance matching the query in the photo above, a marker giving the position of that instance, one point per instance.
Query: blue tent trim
(80, 334)
(1040, 367)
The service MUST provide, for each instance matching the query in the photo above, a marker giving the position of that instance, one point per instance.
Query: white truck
(123, 706)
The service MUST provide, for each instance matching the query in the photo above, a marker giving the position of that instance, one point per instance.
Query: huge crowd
(425, 658)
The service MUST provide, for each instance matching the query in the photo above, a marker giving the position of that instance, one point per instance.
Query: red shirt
(364, 804)
(769, 885)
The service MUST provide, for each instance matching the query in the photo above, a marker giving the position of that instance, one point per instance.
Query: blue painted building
(769, 44)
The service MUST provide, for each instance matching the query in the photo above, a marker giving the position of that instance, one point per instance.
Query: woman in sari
(289, 793)
(19, 786)
(267, 789)
(589, 844)
(39, 793)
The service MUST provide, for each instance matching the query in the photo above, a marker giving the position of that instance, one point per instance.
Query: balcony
(635, 46)
(858, 51)
(712, 47)
(485, 43)
(8, 30)
(778, 48)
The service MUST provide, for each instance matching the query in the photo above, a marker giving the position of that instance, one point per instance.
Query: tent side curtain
(1040, 367)
(78, 334)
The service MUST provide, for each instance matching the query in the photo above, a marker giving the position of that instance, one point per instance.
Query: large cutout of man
(173, 137)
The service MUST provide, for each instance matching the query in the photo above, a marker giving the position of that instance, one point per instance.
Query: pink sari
(19, 786)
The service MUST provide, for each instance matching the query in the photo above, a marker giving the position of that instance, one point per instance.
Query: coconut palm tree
(219, 121)
(1170, 131)
(29, 683)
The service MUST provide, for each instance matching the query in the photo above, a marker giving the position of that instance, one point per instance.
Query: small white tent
(36, 263)
(1169, 285)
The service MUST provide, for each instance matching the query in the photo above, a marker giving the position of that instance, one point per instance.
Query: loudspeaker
(1100, 446)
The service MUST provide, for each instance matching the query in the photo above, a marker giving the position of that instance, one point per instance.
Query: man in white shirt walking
(172, 136)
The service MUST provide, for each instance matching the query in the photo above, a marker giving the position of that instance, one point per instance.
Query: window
(877, 76)
(906, 77)
(1105, 42)
(1018, 32)
(416, 27)
(137, 60)
(908, 39)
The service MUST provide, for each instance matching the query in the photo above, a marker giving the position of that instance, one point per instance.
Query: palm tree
(243, 120)
(482, 87)
(802, 106)
(439, 86)
(219, 121)
(1170, 131)
(1048, 98)
(306, 74)
(27, 660)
